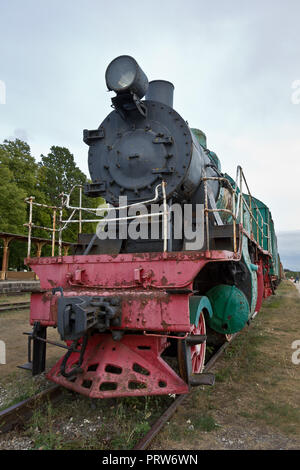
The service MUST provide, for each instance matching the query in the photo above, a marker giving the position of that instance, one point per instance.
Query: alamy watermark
(2, 92)
(2, 352)
(296, 353)
(139, 221)
(295, 97)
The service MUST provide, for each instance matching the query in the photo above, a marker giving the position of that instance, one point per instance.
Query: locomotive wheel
(196, 354)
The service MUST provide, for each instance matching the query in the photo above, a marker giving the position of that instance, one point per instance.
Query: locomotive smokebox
(142, 143)
(161, 91)
(125, 75)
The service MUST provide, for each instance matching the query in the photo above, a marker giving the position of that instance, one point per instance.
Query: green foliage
(21, 176)
(12, 207)
(204, 422)
(289, 273)
(16, 156)
(59, 173)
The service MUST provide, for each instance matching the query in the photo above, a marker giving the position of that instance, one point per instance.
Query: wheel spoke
(198, 351)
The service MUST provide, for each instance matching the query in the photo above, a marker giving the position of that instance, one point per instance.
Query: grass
(223, 375)
(257, 385)
(204, 422)
(14, 298)
(21, 387)
(42, 429)
(81, 423)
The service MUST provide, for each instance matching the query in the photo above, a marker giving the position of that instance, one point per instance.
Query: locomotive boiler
(128, 307)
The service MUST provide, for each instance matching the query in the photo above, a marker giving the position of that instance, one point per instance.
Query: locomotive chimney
(161, 91)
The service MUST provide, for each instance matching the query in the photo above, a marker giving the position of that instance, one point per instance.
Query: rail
(242, 205)
(237, 211)
(60, 225)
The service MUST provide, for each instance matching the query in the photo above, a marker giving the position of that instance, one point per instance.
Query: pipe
(161, 91)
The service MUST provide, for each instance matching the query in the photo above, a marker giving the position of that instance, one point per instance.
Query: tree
(21, 176)
(12, 206)
(16, 156)
(58, 173)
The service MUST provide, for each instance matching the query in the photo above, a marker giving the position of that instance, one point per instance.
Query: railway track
(17, 415)
(13, 306)
(144, 443)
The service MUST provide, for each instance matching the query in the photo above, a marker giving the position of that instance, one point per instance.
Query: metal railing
(58, 226)
(237, 211)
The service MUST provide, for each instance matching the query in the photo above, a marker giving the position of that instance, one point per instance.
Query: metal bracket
(58, 289)
(36, 353)
(163, 140)
(90, 136)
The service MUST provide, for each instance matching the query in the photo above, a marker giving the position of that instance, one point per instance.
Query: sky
(234, 64)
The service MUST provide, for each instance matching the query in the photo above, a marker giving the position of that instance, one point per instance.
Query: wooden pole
(6, 241)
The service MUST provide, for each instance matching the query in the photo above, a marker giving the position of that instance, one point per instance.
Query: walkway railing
(242, 205)
(59, 224)
(239, 209)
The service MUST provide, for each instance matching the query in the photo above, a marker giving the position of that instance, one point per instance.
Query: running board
(201, 379)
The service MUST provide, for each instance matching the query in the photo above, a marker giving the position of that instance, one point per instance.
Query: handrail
(237, 210)
(65, 204)
(239, 207)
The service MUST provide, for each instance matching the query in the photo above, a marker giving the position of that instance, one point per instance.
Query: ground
(255, 403)
(16, 341)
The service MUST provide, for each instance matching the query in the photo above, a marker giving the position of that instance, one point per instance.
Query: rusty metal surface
(145, 281)
(17, 415)
(132, 366)
(172, 311)
(157, 270)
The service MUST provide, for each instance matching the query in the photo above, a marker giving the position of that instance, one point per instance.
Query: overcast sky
(233, 64)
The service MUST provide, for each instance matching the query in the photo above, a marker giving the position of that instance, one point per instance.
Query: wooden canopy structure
(39, 242)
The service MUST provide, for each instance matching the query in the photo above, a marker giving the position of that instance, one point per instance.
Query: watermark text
(153, 223)
(2, 352)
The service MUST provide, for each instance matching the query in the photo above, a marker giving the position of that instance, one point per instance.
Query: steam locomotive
(136, 312)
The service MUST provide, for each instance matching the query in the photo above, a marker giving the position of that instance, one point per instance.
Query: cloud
(289, 249)
(232, 63)
(20, 134)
